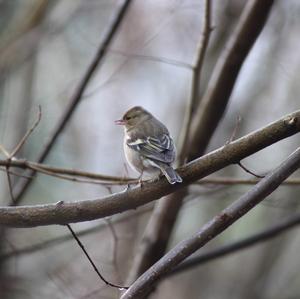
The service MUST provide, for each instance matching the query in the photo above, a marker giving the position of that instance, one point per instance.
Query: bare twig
(78, 93)
(158, 28)
(91, 261)
(249, 171)
(10, 186)
(235, 129)
(152, 58)
(4, 151)
(233, 247)
(17, 174)
(115, 239)
(62, 213)
(108, 180)
(27, 134)
(232, 137)
(11, 155)
(143, 285)
(51, 170)
(74, 179)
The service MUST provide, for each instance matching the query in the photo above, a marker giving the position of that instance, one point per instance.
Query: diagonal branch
(92, 262)
(226, 71)
(27, 134)
(62, 213)
(77, 94)
(236, 246)
(214, 227)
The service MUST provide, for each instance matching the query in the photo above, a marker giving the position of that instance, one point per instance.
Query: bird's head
(133, 117)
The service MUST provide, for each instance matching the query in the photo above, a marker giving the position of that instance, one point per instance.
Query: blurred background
(46, 48)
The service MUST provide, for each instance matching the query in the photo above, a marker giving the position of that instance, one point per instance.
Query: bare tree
(69, 69)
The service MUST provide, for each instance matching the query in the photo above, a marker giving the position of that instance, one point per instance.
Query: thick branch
(214, 227)
(61, 213)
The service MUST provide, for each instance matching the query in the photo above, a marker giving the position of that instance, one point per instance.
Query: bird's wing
(157, 148)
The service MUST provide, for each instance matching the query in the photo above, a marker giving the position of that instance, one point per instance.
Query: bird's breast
(133, 157)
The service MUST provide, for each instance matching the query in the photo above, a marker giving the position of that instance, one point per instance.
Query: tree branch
(47, 169)
(221, 84)
(102, 278)
(71, 174)
(214, 227)
(62, 213)
(263, 236)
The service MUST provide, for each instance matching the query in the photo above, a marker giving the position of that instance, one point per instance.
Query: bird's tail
(172, 176)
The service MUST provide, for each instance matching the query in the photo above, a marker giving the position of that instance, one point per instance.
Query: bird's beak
(120, 122)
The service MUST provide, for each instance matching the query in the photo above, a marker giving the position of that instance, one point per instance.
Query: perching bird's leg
(141, 179)
(128, 187)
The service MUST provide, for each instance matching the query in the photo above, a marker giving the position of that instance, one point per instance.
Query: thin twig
(158, 28)
(152, 58)
(143, 285)
(235, 129)
(47, 169)
(4, 151)
(74, 179)
(91, 261)
(249, 171)
(11, 155)
(71, 175)
(10, 186)
(62, 213)
(17, 174)
(27, 134)
(78, 92)
(114, 245)
(115, 239)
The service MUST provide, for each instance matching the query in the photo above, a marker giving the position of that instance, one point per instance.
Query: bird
(148, 146)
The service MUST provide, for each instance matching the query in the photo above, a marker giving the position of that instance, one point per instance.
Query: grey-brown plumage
(148, 146)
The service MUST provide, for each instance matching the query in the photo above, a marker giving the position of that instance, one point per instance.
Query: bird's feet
(141, 182)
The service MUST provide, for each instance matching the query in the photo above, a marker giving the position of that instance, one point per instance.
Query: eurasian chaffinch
(148, 146)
